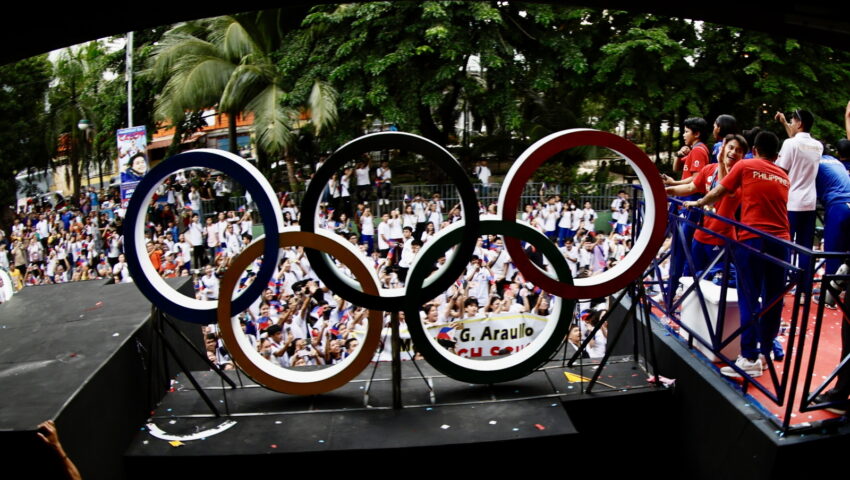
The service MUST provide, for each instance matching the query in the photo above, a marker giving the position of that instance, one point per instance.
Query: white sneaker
(752, 368)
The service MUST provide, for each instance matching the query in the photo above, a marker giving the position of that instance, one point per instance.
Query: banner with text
(477, 338)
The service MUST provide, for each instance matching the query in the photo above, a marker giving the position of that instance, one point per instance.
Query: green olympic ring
(502, 369)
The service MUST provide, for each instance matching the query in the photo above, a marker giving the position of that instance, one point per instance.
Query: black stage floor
(357, 420)
(79, 354)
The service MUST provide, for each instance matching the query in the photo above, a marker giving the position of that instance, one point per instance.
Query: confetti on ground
(172, 422)
(145, 442)
(273, 445)
(493, 422)
(515, 429)
(539, 427)
(445, 427)
(176, 443)
(277, 422)
(115, 334)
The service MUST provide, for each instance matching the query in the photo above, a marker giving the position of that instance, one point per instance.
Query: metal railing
(785, 388)
(235, 203)
(599, 195)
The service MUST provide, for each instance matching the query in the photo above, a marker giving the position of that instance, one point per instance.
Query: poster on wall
(132, 159)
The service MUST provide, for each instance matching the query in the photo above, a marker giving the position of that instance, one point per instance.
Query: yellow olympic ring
(264, 372)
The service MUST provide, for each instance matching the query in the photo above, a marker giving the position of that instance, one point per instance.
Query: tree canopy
(482, 78)
(22, 130)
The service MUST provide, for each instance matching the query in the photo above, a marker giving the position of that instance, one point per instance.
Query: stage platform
(725, 433)
(85, 355)
(357, 421)
(79, 354)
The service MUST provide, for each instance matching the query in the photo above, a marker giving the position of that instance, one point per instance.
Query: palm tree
(229, 62)
(76, 76)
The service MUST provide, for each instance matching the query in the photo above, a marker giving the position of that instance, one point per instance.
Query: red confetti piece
(274, 445)
(539, 427)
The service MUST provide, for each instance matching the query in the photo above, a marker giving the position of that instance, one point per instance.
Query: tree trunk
(176, 139)
(290, 172)
(231, 132)
(429, 129)
(670, 129)
(656, 138)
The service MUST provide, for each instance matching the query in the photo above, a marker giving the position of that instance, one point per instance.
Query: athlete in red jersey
(690, 159)
(763, 188)
(705, 246)
(694, 155)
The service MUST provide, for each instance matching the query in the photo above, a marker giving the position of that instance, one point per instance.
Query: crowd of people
(299, 321)
(83, 238)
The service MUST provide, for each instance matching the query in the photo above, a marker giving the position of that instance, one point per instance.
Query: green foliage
(521, 71)
(239, 64)
(22, 141)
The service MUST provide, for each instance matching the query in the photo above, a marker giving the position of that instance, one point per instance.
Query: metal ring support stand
(395, 342)
(637, 292)
(159, 320)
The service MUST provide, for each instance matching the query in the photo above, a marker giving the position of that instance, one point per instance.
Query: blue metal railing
(780, 388)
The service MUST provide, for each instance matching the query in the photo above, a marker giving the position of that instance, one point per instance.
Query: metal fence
(599, 195)
(235, 203)
(704, 325)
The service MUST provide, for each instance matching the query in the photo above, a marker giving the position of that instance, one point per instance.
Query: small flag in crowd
(445, 333)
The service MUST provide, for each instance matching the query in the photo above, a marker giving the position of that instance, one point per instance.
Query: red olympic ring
(649, 240)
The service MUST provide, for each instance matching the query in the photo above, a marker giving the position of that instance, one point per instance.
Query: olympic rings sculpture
(422, 285)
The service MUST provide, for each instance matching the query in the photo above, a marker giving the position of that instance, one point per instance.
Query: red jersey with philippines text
(704, 181)
(694, 161)
(763, 189)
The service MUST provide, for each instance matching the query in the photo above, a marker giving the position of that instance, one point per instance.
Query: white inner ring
(498, 363)
(649, 215)
(150, 273)
(272, 368)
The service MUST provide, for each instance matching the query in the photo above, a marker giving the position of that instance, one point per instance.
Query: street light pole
(129, 79)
